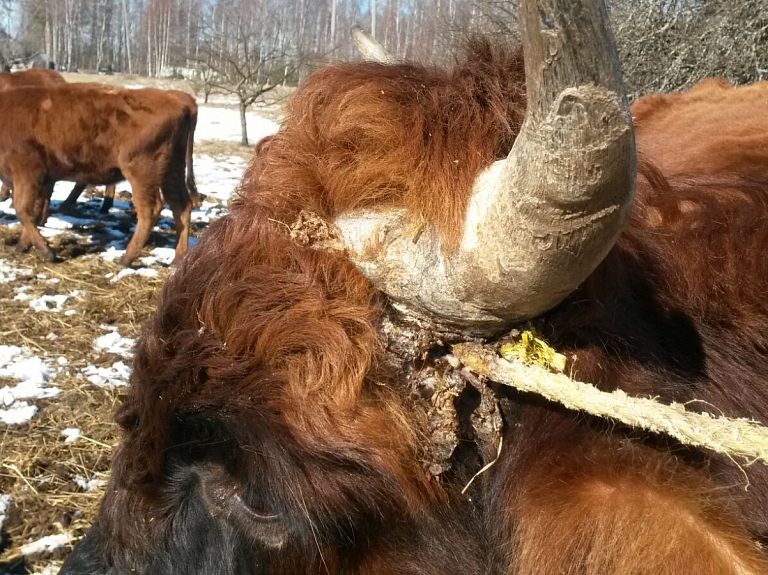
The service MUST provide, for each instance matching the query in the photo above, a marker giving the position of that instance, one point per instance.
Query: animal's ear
(369, 48)
(223, 498)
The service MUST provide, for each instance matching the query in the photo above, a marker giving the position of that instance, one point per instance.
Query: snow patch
(162, 256)
(113, 342)
(33, 375)
(9, 273)
(71, 434)
(88, 484)
(215, 123)
(46, 544)
(26, 390)
(20, 412)
(112, 254)
(115, 376)
(51, 303)
(5, 501)
(217, 177)
(144, 272)
(17, 363)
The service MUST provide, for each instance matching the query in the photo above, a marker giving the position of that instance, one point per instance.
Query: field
(66, 336)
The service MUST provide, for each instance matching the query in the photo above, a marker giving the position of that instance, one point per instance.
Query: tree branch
(732, 437)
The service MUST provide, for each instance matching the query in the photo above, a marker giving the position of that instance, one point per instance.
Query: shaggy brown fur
(677, 311)
(94, 135)
(713, 129)
(398, 135)
(264, 433)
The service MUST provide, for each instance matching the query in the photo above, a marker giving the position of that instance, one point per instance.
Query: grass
(222, 148)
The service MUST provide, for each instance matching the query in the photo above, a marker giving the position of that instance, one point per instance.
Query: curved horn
(540, 221)
(369, 48)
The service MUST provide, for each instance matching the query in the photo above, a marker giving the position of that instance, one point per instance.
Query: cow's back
(713, 129)
(85, 128)
(31, 77)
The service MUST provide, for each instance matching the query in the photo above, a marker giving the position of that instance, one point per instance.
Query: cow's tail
(191, 184)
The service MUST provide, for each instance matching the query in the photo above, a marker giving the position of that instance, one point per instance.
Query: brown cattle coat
(712, 129)
(98, 136)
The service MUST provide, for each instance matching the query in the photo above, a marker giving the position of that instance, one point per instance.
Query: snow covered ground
(29, 375)
(217, 123)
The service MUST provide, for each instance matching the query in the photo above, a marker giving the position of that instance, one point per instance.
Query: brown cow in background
(99, 136)
(45, 77)
(713, 128)
(190, 105)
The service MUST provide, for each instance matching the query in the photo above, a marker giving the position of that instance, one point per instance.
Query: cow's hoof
(21, 248)
(49, 255)
(68, 209)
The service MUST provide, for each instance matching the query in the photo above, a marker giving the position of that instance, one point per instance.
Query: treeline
(664, 44)
(151, 36)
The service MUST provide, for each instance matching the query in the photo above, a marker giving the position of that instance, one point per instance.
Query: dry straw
(39, 469)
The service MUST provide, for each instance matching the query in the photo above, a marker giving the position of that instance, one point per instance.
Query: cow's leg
(42, 209)
(147, 203)
(109, 199)
(178, 198)
(584, 503)
(43, 204)
(5, 193)
(25, 241)
(68, 205)
(28, 201)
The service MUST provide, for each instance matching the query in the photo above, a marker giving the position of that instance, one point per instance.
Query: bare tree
(668, 45)
(244, 56)
(204, 81)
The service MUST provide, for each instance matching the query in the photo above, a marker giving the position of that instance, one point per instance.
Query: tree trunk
(127, 36)
(149, 47)
(48, 34)
(373, 18)
(333, 24)
(243, 124)
(188, 49)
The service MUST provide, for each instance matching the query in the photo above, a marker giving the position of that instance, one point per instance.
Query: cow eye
(223, 499)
